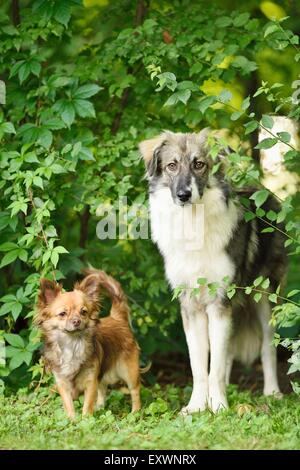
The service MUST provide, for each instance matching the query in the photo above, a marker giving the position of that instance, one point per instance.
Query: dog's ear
(202, 136)
(49, 290)
(150, 150)
(91, 287)
(47, 293)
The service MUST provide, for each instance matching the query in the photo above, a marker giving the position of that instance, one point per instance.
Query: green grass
(35, 421)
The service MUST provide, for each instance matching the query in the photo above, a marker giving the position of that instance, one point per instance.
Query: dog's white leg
(219, 327)
(196, 332)
(268, 350)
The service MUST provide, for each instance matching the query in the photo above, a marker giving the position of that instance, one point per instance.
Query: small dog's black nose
(184, 195)
(76, 322)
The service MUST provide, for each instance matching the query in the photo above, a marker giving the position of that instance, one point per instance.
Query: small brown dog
(85, 353)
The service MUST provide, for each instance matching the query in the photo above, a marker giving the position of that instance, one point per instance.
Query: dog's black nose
(184, 195)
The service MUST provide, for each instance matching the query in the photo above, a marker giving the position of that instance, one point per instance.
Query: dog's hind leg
(101, 395)
(194, 320)
(268, 350)
(129, 371)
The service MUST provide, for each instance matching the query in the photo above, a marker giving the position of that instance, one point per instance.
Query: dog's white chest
(72, 354)
(193, 238)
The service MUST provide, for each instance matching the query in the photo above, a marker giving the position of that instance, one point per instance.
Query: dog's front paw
(273, 392)
(218, 403)
(193, 407)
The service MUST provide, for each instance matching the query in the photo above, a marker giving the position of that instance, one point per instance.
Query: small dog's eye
(199, 165)
(62, 314)
(172, 166)
(83, 311)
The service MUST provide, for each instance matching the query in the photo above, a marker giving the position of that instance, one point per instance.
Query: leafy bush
(84, 84)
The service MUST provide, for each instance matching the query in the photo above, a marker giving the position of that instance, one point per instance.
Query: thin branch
(15, 12)
(117, 120)
(84, 227)
(44, 236)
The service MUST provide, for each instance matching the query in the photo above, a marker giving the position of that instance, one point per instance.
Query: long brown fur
(84, 353)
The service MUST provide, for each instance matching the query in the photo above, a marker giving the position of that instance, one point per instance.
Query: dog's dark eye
(83, 311)
(172, 166)
(62, 314)
(198, 165)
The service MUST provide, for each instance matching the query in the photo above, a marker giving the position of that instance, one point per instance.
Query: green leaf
(206, 102)
(257, 297)
(266, 283)
(23, 255)
(84, 108)
(10, 257)
(54, 124)
(271, 215)
(271, 29)
(50, 231)
(16, 310)
(16, 361)
(54, 258)
(236, 115)
(37, 181)
(259, 197)
(24, 72)
(241, 20)
(260, 212)
(267, 121)
(249, 216)
(45, 138)
(7, 128)
(184, 96)
(223, 21)
(14, 340)
(86, 91)
(250, 127)
(62, 12)
(231, 293)
(35, 67)
(246, 103)
(258, 281)
(8, 246)
(196, 68)
(273, 298)
(267, 143)
(60, 249)
(86, 154)
(285, 136)
(292, 293)
(31, 158)
(68, 113)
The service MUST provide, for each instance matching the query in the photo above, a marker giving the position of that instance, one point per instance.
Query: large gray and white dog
(198, 224)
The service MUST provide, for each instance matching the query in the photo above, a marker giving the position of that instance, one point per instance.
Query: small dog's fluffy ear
(91, 287)
(48, 291)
